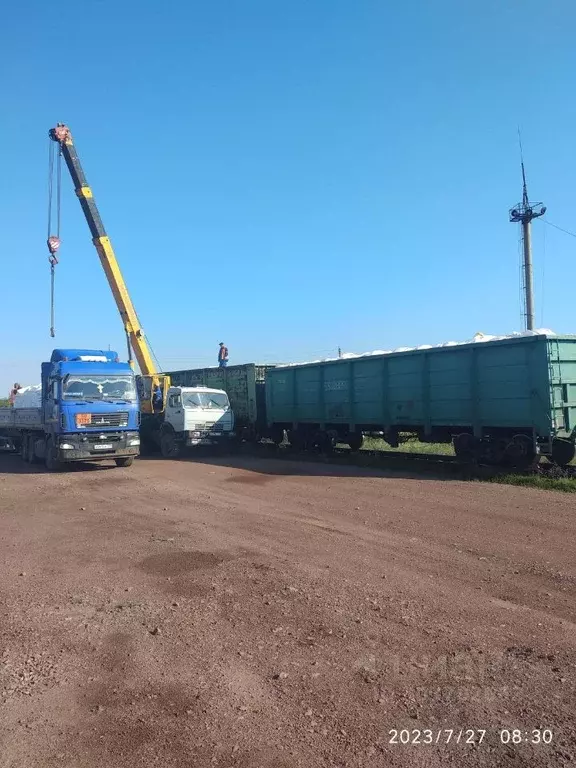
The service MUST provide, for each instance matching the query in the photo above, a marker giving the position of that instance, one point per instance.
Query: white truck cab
(195, 416)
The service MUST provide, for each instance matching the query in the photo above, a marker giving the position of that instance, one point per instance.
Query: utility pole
(524, 213)
(339, 352)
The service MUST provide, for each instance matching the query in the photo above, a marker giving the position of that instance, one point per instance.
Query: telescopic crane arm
(62, 135)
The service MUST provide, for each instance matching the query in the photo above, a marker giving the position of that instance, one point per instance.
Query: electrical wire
(51, 150)
(153, 354)
(566, 231)
(50, 183)
(58, 190)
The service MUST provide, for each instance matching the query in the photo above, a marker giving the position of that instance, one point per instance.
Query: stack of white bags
(29, 397)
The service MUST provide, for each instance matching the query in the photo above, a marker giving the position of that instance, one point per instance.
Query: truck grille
(209, 427)
(98, 420)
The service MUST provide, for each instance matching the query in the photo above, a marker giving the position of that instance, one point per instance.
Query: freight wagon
(244, 385)
(502, 401)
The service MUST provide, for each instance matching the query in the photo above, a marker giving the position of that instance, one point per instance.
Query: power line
(566, 231)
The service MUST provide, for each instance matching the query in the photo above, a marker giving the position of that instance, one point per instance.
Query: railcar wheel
(494, 451)
(355, 440)
(297, 440)
(465, 446)
(277, 436)
(520, 451)
(328, 442)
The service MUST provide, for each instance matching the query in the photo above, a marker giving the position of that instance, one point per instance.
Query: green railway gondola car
(504, 400)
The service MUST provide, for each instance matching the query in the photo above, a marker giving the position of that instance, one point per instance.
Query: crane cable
(53, 241)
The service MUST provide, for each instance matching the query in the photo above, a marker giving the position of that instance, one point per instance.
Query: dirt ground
(258, 613)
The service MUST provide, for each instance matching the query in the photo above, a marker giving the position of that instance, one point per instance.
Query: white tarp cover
(478, 338)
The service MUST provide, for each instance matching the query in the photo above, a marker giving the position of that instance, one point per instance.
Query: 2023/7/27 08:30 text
(476, 736)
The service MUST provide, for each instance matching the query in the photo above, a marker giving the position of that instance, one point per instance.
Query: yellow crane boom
(150, 378)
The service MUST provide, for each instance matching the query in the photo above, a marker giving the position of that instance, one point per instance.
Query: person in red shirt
(223, 355)
(13, 392)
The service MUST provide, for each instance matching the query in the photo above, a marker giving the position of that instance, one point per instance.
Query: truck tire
(169, 446)
(32, 458)
(125, 461)
(52, 463)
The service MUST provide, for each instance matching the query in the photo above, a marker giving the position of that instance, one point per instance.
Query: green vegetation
(4, 402)
(564, 484)
(410, 446)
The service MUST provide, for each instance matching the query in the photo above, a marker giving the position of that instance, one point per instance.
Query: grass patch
(564, 484)
(410, 446)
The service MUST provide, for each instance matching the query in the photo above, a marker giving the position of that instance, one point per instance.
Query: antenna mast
(524, 213)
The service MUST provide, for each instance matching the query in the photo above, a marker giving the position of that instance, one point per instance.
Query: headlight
(135, 441)
(66, 446)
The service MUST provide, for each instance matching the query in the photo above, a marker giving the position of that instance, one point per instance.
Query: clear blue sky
(287, 176)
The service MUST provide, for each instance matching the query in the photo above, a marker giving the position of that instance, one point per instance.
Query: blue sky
(287, 177)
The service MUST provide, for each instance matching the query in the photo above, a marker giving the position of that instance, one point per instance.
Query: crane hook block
(53, 244)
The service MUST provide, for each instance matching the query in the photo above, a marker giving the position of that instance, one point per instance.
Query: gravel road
(256, 613)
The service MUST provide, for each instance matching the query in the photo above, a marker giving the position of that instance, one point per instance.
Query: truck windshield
(99, 387)
(216, 400)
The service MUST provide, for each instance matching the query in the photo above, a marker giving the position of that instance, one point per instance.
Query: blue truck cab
(89, 411)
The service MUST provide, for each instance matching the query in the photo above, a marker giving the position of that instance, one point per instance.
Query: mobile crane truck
(87, 411)
(181, 416)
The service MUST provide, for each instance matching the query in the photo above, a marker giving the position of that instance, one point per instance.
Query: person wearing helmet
(223, 355)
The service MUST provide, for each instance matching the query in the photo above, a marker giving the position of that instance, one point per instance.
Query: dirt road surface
(266, 614)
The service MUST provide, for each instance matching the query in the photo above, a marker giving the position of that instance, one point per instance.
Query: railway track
(404, 460)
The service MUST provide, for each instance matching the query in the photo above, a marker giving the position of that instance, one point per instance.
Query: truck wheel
(32, 458)
(125, 461)
(169, 447)
(52, 463)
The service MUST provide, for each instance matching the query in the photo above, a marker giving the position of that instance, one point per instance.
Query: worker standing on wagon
(223, 355)
(13, 392)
